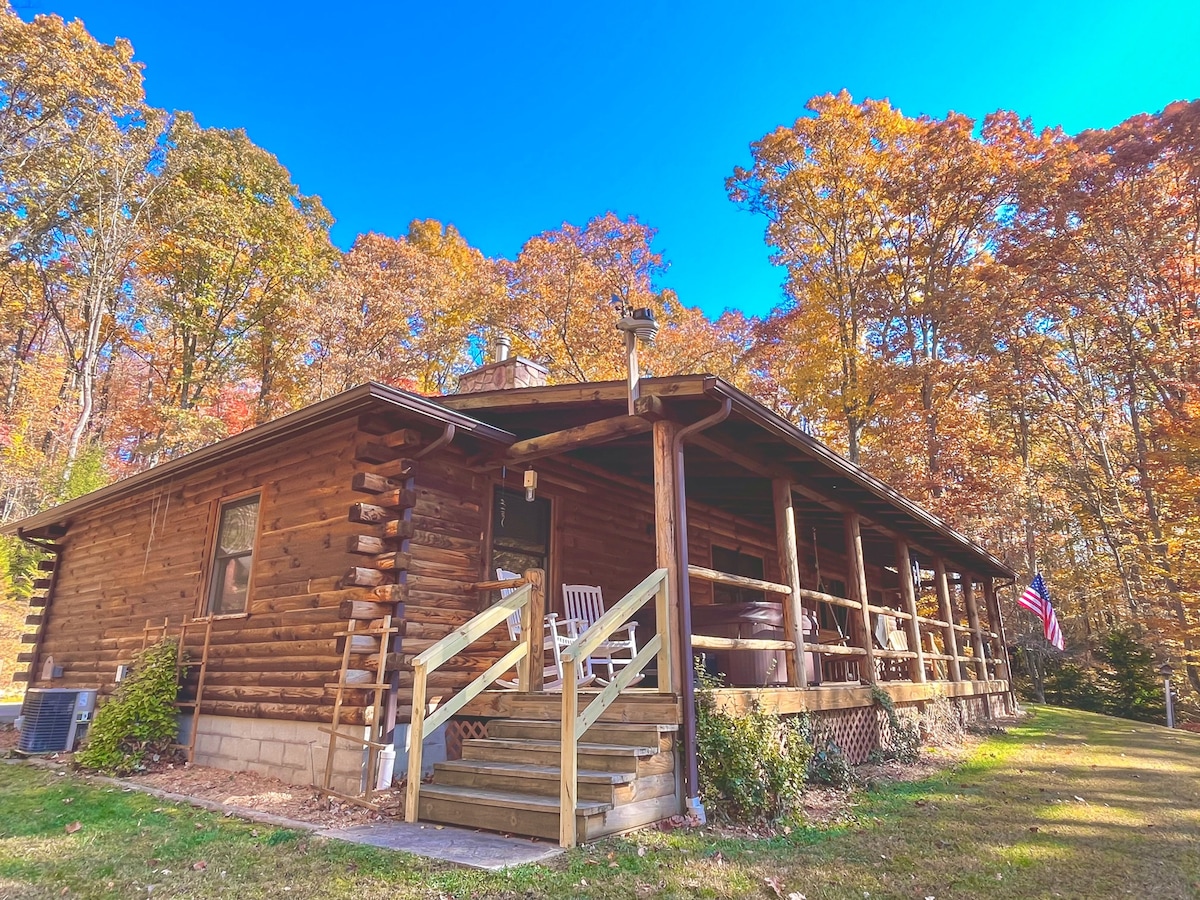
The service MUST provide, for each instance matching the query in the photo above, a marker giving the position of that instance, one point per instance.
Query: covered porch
(729, 537)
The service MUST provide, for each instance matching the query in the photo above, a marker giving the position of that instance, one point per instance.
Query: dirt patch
(270, 795)
(9, 737)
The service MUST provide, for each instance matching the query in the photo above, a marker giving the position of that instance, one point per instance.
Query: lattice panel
(855, 731)
(459, 730)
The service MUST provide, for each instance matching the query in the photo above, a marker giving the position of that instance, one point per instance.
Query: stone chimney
(503, 372)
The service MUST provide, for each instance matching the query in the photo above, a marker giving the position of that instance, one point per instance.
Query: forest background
(1000, 321)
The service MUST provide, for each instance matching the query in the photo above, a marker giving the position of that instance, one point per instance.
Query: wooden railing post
(416, 737)
(569, 762)
(946, 613)
(916, 665)
(789, 566)
(858, 588)
(533, 632)
(662, 615)
(968, 592)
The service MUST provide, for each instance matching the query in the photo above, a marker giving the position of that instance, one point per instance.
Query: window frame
(205, 599)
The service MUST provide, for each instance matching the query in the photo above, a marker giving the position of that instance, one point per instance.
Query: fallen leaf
(773, 883)
(641, 851)
(1033, 828)
(199, 865)
(73, 827)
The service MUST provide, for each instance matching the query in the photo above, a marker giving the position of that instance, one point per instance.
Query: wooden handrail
(937, 623)
(755, 584)
(574, 723)
(620, 613)
(707, 642)
(831, 599)
(501, 585)
(450, 646)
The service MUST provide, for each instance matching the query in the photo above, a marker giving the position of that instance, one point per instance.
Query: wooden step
(506, 811)
(629, 735)
(519, 813)
(617, 788)
(596, 757)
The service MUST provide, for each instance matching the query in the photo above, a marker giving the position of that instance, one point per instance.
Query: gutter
(687, 685)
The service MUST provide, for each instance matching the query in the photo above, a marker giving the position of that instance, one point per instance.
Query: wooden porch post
(968, 592)
(946, 614)
(532, 616)
(789, 566)
(996, 626)
(858, 587)
(916, 666)
(665, 549)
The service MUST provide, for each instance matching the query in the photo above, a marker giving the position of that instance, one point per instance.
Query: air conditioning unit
(54, 719)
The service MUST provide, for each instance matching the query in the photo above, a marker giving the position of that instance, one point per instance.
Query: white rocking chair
(584, 604)
(558, 635)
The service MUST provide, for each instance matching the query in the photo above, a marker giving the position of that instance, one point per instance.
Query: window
(520, 532)
(233, 556)
(733, 562)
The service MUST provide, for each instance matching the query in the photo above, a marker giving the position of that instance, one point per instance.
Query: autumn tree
(233, 245)
(560, 306)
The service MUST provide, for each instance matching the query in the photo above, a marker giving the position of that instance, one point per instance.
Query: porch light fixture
(530, 485)
(638, 325)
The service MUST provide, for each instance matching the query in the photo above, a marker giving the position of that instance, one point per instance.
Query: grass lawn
(1070, 804)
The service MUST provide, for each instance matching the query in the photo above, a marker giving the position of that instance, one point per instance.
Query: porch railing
(706, 642)
(576, 723)
(528, 599)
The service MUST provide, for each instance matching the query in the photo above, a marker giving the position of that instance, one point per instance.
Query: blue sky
(508, 119)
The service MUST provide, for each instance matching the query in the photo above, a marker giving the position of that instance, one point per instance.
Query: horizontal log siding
(144, 558)
(447, 559)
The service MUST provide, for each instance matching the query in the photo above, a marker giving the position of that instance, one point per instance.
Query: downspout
(691, 783)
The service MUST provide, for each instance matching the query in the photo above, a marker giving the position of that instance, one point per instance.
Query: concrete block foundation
(294, 752)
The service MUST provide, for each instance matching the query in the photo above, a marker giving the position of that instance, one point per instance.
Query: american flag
(1036, 599)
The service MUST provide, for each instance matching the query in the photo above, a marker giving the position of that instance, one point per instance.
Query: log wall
(145, 558)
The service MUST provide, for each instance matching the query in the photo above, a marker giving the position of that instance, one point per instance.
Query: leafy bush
(903, 735)
(1074, 686)
(830, 767)
(139, 719)
(752, 767)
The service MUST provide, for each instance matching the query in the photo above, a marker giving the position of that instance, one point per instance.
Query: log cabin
(343, 581)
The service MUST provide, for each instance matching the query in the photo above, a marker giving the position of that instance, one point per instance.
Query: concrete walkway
(481, 850)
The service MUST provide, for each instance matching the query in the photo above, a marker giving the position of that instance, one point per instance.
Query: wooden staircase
(510, 780)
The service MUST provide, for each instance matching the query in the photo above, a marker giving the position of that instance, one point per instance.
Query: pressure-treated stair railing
(575, 723)
(528, 598)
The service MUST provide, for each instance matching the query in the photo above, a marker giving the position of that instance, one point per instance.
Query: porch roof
(730, 465)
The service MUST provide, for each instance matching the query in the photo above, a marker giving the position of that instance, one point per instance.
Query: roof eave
(776, 424)
(364, 398)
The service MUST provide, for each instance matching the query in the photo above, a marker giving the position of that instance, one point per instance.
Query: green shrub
(830, 767)
(752, 767)
(903, 735)
(139, 719)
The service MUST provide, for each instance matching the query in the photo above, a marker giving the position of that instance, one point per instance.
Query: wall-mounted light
(530, 485)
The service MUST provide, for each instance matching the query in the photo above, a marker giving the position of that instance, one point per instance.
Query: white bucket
(387, 766)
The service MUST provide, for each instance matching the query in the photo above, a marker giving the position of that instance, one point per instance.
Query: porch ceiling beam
(772, 470)
(588, 435)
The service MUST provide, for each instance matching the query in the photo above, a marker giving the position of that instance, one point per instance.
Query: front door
(520, 532)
